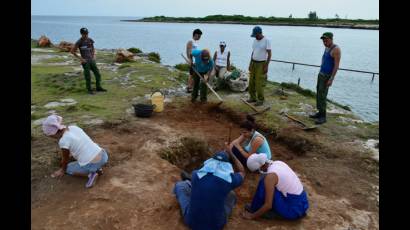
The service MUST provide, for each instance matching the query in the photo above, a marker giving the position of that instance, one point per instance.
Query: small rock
(44, 41)
(68, 100)
(94, 122)
(284, 110)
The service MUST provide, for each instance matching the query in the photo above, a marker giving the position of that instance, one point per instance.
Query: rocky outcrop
(65, 46)
(237, 83)
(123, 56)
(44, 41)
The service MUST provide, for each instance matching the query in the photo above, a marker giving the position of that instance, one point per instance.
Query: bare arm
(63, 164)
(266, 66)
(228, 67)
(271, 180)
(237, 164)
(256, 143)
(336, 55)
(93, 50)
(250, 62)
(214, 57)
(189, 50)
(74, 52)
(65, 159)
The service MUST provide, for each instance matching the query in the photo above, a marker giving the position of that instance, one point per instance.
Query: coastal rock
(44, 41)
(123, 56)
(65, 46)
(239, 84)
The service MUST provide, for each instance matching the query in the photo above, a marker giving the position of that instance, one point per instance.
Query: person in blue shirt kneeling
(208, 198)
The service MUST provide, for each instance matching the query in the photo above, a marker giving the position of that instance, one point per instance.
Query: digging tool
(230, 129)
(255, 109)
(249, 104)
(304, 126)
(262, 111)
(207, 84)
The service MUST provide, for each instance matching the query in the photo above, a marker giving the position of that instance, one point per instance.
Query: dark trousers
(91, 65)
(239, 155)
(199, 86)
(321, 92)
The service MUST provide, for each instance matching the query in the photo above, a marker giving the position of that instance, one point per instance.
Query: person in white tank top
(192, 45)
(280, 193)
(222, 64)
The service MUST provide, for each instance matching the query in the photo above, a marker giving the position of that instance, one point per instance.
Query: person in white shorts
(222, 64)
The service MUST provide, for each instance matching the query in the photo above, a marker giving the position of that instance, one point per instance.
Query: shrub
(154, 57)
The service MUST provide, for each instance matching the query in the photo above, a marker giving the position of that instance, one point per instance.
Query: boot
(320, 120)
(316, 115)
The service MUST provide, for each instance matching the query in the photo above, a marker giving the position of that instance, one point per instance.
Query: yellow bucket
(157, 99)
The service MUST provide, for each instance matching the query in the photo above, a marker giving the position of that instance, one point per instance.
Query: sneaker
(320, 120)
(101, 90)
(185, 176)
(251, 100)
(259, 103)
(90, 92)
(92, 178)
(100, 172)
(316, 115)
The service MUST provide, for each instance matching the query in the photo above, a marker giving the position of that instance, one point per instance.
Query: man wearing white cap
(73, 141)
(279, 193)
(222, 63)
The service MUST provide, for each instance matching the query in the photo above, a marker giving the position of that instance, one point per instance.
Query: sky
(351, 9)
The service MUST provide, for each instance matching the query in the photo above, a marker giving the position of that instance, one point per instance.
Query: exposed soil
(135, 191)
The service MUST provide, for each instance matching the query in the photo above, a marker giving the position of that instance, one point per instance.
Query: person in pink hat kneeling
(73, 141)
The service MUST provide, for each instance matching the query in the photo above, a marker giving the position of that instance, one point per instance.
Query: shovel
(254, 108)
(304, 126)
(207, 84)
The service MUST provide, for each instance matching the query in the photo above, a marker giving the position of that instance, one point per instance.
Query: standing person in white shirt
(258, 66)
(73, 141)
(192, 44)
(222, 63)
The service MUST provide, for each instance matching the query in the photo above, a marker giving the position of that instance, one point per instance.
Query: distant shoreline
(343, 26)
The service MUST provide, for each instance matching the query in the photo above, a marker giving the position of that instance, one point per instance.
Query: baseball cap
(327, 35)
(222, 43)
(84, 30)
(256, 30)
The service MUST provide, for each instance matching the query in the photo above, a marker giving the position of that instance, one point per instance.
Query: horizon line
(180, 16)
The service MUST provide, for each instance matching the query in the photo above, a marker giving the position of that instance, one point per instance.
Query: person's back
(208, 196)
(79, 144)
(264, 148)
(288, 182)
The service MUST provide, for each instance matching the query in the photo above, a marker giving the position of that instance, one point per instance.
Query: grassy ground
(59, 76)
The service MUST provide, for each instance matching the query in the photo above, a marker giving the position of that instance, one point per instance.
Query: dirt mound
(135, 191)
(295, 141)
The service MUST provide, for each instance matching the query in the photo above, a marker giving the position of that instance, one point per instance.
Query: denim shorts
(74, 167)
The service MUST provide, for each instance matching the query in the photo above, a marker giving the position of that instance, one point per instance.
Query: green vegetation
(182, 67)
(153, 56)
(135, 50)
(135, 79)
(312, 19)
